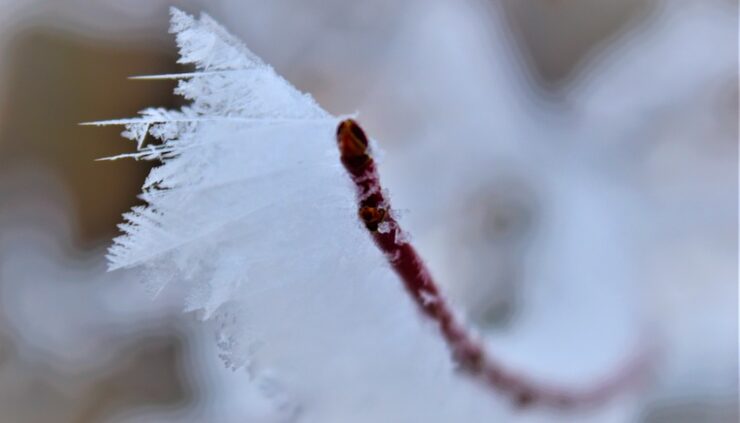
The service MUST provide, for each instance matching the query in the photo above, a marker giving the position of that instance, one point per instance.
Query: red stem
(375, 212)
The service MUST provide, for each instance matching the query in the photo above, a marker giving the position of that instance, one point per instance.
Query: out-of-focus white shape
(661, 65)
(60, 307)
(630, 178)
(472, 135)
(663, 104)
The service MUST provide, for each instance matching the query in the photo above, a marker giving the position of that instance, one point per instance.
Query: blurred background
(545, 154)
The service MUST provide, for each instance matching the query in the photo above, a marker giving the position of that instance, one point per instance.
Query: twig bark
(375, 212)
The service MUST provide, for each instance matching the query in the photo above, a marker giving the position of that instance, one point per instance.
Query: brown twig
(468, 352)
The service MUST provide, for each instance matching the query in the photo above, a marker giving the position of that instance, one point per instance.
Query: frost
(248, 177)
(384, 227)
(250, 219)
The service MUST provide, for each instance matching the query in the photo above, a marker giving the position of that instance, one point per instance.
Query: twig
(375, 212)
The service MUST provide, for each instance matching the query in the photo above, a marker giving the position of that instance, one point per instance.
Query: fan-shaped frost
(252, 218)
